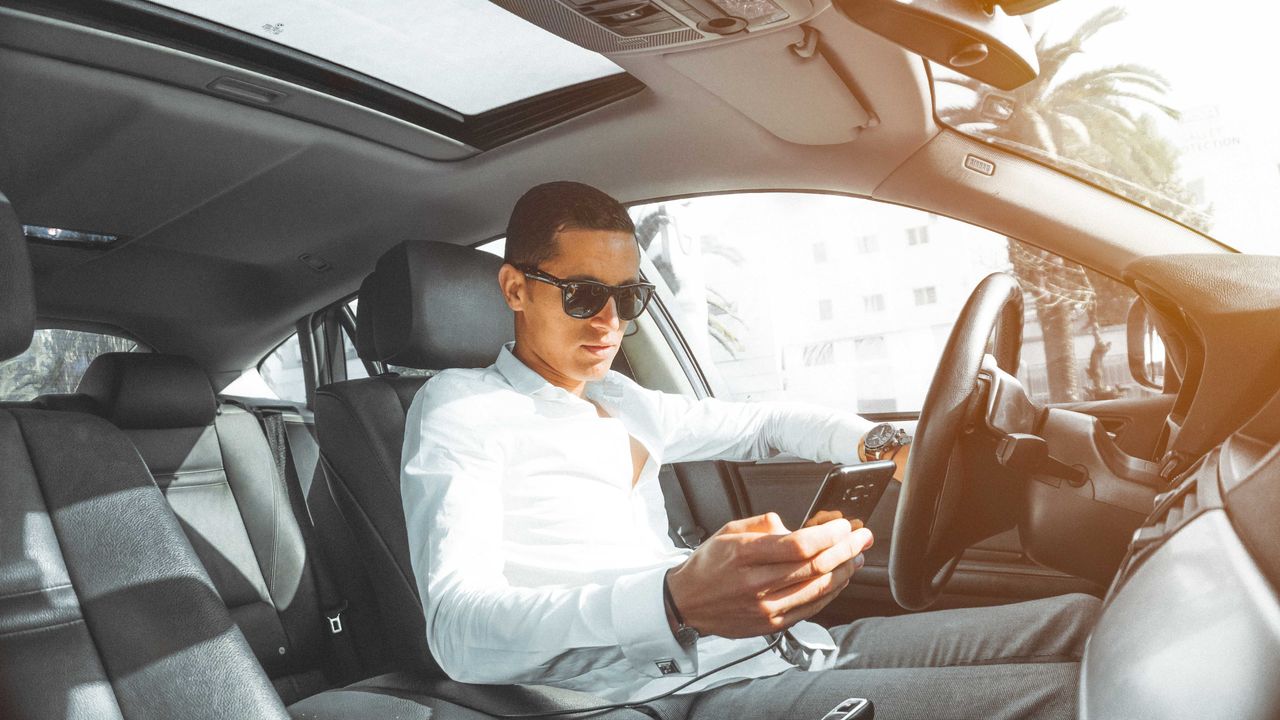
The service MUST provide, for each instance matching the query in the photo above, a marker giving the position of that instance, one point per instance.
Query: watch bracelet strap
(671, 601)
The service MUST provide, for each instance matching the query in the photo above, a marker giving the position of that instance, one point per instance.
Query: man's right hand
(754, 577)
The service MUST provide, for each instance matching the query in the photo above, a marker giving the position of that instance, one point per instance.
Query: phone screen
(850, 492)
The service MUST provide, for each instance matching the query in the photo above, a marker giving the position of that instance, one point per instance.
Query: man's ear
(512, 283)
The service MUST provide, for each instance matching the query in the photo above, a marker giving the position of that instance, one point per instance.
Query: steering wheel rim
(920, 558)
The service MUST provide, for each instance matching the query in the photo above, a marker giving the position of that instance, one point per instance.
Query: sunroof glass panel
(468, 55)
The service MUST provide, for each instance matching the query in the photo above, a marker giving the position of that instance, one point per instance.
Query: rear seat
(105, 611)
(217, 471)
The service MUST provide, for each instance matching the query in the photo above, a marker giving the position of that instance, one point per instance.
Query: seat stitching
(178, 473)
(42, 628)
(212, 483)
(36, 591)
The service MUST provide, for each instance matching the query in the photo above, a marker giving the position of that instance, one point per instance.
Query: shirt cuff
(640, 624)
(846, 438)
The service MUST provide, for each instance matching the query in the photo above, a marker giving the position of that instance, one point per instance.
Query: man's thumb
(766, 523)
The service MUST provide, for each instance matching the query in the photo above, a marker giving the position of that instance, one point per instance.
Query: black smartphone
(850, 492)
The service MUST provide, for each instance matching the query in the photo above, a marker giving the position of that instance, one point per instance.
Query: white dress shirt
(536, 558)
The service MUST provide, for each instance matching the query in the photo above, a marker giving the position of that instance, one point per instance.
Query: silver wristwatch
(883, 440)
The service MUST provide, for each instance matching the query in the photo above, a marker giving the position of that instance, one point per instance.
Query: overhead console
(779, 62)
(616, 27)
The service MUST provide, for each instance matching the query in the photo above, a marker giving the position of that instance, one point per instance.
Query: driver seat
(427, 306)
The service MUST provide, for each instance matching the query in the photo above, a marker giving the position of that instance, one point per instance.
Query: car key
(852, 709)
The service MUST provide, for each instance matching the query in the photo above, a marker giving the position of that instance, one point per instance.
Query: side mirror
(1146, 348)
(971, 37)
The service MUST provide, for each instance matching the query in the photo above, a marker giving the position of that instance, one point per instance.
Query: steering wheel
(925, 548)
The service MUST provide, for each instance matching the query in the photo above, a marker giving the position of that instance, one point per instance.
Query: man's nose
(608, 315)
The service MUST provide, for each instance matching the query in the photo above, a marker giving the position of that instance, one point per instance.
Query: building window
(926, 295)
(822, 353)
(867, 244)
(871, 347)
(873, 303)
(918, 235)
(820, 252)
(877, 405)
(824, 309)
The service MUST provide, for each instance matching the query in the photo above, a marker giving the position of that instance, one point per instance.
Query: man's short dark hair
(551, 207)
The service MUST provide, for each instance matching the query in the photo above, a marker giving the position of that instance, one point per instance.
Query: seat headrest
(17, 292)
(148, 391)
(436, 306)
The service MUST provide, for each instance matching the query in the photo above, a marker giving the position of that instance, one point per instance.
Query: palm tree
(723, 320)
(1099, 123)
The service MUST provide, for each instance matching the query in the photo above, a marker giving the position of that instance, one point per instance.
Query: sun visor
(782, 82)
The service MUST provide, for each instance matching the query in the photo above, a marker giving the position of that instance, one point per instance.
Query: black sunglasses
(584, 298)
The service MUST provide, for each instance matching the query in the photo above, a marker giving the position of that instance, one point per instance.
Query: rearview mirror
(971, 37)
(1146, 348)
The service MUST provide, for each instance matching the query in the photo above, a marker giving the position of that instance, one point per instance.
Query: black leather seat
(105, 610)
(217, 471)
(426, 306)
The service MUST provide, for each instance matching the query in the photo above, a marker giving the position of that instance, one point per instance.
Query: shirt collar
(524, 379)
(520, 376)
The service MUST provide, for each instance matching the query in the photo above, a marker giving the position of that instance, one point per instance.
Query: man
(538, 533)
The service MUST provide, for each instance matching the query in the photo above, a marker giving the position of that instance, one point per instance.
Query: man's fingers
(766, 578)
(800, 545)
(787, 600)
(767, 523)
(809, 609)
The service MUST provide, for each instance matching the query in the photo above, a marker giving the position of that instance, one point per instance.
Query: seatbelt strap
(343, 661)
(679, 515)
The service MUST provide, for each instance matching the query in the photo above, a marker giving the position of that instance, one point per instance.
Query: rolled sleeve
(640, 622)
(711, 429)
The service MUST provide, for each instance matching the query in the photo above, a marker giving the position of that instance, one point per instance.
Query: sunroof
(467, 55)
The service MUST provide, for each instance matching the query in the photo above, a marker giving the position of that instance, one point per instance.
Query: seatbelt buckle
(335, 619)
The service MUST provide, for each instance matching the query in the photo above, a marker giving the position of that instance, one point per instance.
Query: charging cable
(775, 641)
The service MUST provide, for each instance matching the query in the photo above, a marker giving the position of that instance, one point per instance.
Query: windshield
(1166, 104)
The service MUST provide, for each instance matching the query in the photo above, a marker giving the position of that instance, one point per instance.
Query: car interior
(235, 243)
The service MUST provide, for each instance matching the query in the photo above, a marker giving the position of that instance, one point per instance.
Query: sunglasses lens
(583, 300)
(632, 301)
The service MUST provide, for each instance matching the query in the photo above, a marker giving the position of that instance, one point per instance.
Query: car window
(848, 302)
(283, 374)
(55, 362)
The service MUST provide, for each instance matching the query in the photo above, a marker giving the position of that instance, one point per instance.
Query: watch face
(878, 436)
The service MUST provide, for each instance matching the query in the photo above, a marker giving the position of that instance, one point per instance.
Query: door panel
(1135, 423)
